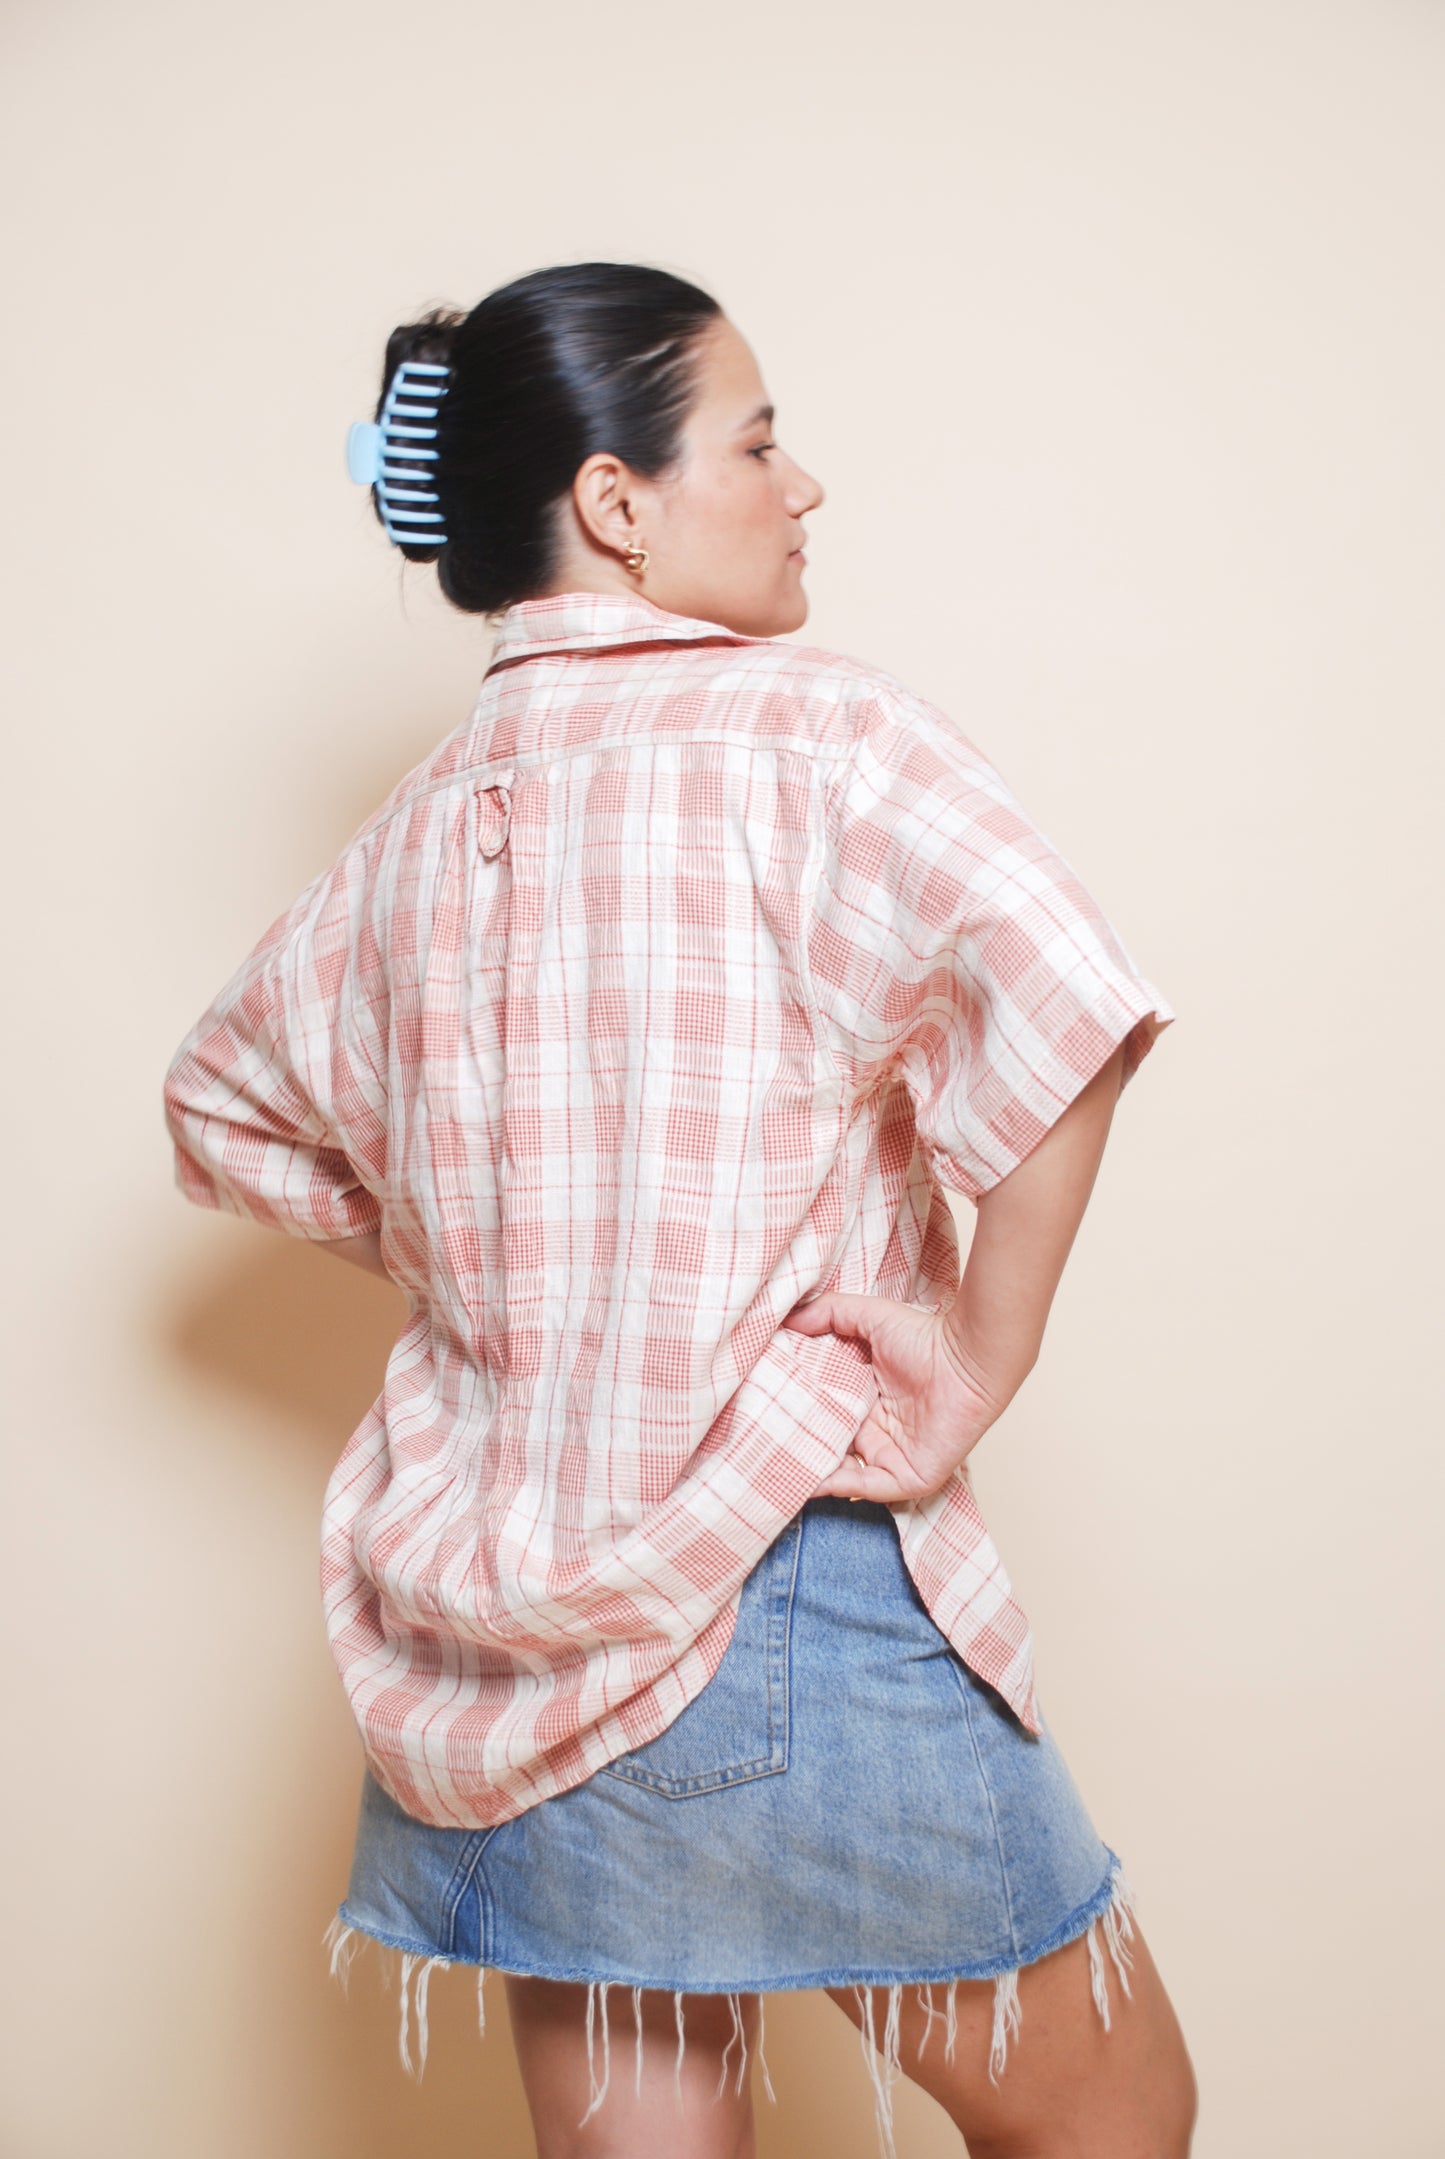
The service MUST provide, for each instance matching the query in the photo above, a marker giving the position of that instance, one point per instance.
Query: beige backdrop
(1116, 334)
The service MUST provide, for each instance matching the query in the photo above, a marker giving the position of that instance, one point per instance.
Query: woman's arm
(1025, 1231)
(944, 1377)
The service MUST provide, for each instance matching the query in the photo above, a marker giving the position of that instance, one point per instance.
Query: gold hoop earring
(636, 559)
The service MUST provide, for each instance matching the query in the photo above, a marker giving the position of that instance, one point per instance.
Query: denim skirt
(845, 1804)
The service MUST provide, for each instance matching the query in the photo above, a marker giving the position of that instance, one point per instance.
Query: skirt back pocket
(737, 1728)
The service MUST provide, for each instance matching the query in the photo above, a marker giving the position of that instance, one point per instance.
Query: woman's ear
(604, 497)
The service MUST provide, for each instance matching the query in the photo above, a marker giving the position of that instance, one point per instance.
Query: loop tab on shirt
(494, 812)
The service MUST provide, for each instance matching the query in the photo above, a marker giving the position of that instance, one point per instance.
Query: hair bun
(543, 372)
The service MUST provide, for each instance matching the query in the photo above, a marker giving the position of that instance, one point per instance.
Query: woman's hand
(932, 1407)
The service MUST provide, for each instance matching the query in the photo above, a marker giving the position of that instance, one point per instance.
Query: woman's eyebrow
(764, 412)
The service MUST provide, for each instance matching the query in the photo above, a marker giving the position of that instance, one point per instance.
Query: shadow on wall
(296, 1342)
(290, 1328)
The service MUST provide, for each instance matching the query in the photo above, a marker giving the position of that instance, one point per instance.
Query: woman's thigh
(1069, 2088)
(667, 2093)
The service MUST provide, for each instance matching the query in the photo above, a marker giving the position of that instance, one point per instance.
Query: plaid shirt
(673, 988)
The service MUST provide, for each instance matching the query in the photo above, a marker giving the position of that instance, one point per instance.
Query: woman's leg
(1069, 2089)
(675, 2087)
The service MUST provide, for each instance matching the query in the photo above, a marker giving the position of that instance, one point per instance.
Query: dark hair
(545, 371)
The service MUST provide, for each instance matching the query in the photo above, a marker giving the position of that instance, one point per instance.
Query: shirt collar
(593, 621)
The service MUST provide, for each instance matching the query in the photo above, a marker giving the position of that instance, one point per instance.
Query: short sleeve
(250, 1135)
(951, 940)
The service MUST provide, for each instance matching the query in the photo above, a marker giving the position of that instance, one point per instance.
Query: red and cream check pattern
(672, 989)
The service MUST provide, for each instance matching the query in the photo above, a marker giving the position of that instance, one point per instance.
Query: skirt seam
(964, 1689)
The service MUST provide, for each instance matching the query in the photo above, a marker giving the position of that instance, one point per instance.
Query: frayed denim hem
(1110, 1908)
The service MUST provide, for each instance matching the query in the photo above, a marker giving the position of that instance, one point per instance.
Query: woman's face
(723, 529)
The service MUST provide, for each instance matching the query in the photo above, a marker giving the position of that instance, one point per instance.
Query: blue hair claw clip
(378, 453)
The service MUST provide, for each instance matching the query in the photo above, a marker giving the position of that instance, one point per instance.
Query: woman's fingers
(930, 1412)
(846, 1483)
(864, 1480)
(837, 1311)
(846, 1479)
(862, 1475)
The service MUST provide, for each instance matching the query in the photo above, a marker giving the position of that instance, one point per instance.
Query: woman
(638, 1035)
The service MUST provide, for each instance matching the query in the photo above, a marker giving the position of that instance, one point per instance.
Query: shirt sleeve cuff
(1011, 1116)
